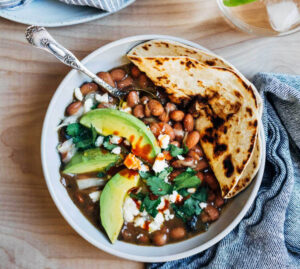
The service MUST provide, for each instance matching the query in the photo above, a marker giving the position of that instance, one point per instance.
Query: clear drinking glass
(264, 17)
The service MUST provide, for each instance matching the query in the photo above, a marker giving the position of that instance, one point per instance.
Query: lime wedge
(233, 3)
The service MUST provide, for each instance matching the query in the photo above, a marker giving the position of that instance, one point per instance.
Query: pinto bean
(211, 181)
(138, 111)
(147, 110)
(200, 175)
(73, 108)
(164, 117)
(126, 235)
(143, 81)
(177, 233)
(211, 196)
(188, 123)
(117, 74)
(125, 83)
(155, 107)
(167, 129)
(187, 162)
(107, 78)
(105, 105)
(177, 115)
(201, 165)
(88, 88)
(135, 72)
(143, 239)
(144, 100)
(192, 139)
(170, 107)
(159, 238)
(212, 212)
(219, 201)
(132, 99)
(179, 133)
(196, 152)
(155, 128)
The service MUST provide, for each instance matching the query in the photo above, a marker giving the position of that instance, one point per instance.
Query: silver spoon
(40, 38)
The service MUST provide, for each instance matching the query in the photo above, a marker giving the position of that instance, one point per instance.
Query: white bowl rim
(98, 244)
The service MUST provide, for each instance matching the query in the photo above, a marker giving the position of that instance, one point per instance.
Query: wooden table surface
(33, 234)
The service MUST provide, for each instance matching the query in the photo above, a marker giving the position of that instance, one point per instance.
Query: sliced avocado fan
(112, 199)
(114, 122)
(91, 160)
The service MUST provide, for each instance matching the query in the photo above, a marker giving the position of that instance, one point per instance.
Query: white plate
(53, 13)
(105, 58)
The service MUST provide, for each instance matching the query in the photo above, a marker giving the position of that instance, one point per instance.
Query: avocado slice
(91, 160)
(114, 122)
(112, 199)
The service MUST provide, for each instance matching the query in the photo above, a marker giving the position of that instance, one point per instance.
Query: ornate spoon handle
(40, 38)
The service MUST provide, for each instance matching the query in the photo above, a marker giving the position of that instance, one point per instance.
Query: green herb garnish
(175, 151)
(187, 179)
(150, 206)
(158, 186)
(83, 138)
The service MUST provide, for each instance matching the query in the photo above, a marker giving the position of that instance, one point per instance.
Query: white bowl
(105, 58)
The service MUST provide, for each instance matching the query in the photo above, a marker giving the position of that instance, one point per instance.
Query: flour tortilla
(228, 109)
(249, 172)
(162, 47)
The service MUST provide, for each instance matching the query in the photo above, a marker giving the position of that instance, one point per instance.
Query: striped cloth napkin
(107, 5)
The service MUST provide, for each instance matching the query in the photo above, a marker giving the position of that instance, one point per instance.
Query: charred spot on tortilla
(137, 59)
(166, 44)
(190, 64)
(210, 62)
(254, 164)
(162, 78)
(237, 94)
(219, 149)
(158, 62)
(145, 47)
(182, 62)
(249, 111)
(238, 150)
(228, 166)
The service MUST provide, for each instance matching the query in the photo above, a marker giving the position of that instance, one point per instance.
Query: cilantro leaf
(178, 212)
(106, 144)
(74, 129)
(187, 179)
(158, 186)
(150, 206)
(175, 151)
(138, 196)
(163, 174)
(83, 138)
(145, 175)
(183, 192)
(200, 195)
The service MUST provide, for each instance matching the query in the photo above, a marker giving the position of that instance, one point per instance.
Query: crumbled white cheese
(203, 205)
(67, 149)
(191, 190)
(102, 98)
(168, 215)
(157, 222)
(164, 140)
(162, 204)
(78, 94)
(174, 197)
(144, 168)
(160, 163)
(116, 150)
(115, 139)
(180, 157)
(90, 182)
(95, 196)
(99, 141)
(130, 210)
(139, 222)
(125, 108)
(88, 104)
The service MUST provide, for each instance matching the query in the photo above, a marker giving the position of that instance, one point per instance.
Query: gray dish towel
(269, 234)
(107, 5)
